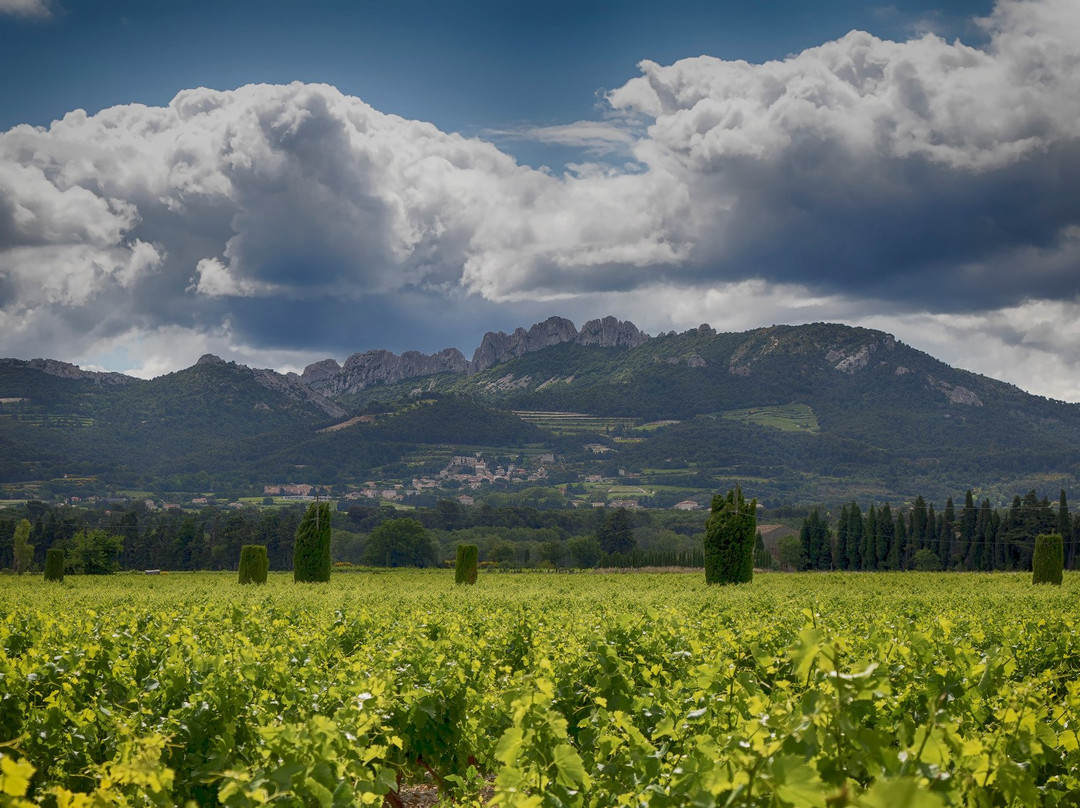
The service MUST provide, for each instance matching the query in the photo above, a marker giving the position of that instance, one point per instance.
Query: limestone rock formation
(361, 370)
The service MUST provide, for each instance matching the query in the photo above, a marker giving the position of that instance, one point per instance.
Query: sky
(278, 182)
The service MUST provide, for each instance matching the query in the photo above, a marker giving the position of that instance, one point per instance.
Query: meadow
(816, 689)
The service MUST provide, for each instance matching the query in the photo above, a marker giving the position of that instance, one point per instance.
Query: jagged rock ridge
(288, 385)
(362, 370)
(66, 370)
(379, 367)
(608, 332)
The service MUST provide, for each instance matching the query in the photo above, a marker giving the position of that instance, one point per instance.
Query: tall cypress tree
(930, 537)
(1064, 528)
(23, 549)
(815, 540)
(980, 550)
(842, 540)
(729, 539)
(903, 553)
(947, 537)
(888, 559)
(968, 518)
(855, 536)
(997, 537)
(919, 519)
(311, 554)
(870, 541)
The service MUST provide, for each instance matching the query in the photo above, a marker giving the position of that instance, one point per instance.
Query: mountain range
(818, 412)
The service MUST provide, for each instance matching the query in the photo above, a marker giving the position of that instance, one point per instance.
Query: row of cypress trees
(974, 537)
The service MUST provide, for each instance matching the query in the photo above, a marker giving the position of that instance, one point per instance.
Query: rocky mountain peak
(362, 370)
(608, 332)
(611, 333)
(319, 372)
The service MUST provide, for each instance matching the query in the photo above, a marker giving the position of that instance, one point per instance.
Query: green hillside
(802, 413)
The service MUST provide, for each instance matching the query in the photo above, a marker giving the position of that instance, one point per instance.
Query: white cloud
(952, 104)
(26, 8)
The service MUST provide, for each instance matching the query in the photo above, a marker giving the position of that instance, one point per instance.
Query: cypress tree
(948, 534)
(729, 539)
(919, 521)
(932, 533)
(968, 518)
(54, 564)
(842, 540)
(903, 552)
(1048, 560)
(1064, 528)
(311, 554)
(254, 564)
(23, 549)
(762, 558)
(814, 536)
(870, 541)
(887, 549)
(465, 571)
(855, 537)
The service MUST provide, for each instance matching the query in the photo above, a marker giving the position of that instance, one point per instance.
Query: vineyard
(874, 690)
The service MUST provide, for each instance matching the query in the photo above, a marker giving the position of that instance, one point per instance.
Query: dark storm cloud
(909, 231)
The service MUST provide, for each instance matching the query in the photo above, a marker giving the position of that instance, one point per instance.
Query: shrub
(729, 539)
(465, 572)
(54, 564)
(1049, 559)
(311, 553)
(926, 560)
(254, 564)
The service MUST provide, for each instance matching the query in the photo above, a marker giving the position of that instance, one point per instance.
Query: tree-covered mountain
(819, 412)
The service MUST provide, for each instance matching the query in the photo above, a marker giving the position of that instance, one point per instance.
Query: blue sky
(466, 66)
(614, 158)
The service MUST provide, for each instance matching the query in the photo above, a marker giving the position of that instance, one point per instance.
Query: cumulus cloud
(908, 169)
(919, 176)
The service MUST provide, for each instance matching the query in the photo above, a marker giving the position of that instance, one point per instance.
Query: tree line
(972, 537)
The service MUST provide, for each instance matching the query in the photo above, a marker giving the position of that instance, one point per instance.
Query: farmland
(867, 689)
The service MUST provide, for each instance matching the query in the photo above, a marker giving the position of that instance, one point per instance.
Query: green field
(788, 417)
(573, 423)
(898, 689)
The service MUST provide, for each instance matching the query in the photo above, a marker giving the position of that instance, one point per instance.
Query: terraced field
(789, 417)
(572, 423)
